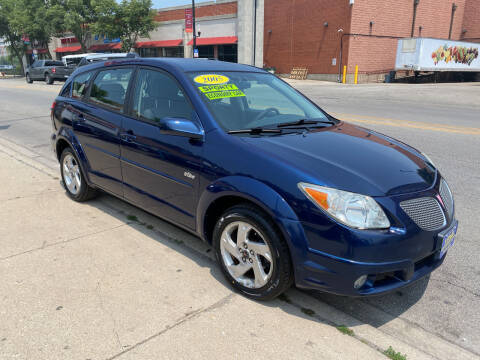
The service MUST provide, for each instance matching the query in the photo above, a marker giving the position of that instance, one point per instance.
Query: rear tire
(253, 255)
(28, 79)
(48, 79)
(73, 178)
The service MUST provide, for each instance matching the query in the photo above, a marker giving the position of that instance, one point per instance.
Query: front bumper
(318, 270)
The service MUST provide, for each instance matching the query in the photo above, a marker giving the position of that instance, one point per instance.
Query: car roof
(174, 64)
(187, 65)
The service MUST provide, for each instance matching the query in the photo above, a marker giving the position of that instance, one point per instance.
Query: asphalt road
(441, 120)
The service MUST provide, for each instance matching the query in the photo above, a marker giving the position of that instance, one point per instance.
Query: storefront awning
(66, 49)
(162, 43)
(215, 40)
(105, 47)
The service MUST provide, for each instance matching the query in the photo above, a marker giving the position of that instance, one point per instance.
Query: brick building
(318, 34)
(224, 29)
(322, 35)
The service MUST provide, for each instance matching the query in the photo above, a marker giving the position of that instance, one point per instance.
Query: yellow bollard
(344, 74)
(356, 74)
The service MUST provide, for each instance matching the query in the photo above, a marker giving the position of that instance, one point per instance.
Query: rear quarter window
(80, 83)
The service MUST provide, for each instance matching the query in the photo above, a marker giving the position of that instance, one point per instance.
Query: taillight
(53, 105)
(54, 70)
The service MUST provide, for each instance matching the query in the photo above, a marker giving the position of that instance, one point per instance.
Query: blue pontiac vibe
(283, 192)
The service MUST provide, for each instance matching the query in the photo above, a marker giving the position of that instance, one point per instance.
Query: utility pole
(194, 30)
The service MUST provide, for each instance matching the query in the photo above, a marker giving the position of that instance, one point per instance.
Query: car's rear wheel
(252, 254)
(28, 79)
(73, 178)
(48, 79)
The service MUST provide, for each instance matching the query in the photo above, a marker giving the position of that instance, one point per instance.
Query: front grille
(447, 197)
(426, 212)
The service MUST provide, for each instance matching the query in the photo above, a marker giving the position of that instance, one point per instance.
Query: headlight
(355, 210)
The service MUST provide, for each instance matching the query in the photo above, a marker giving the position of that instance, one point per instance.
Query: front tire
(28, 79)
(73, 179)
(48, 79)
(252, 253)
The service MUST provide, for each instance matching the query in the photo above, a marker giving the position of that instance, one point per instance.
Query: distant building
(321, 35)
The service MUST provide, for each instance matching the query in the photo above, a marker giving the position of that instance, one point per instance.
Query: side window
(158, 96)
(36, 64)
(110, 88)
(80, 85)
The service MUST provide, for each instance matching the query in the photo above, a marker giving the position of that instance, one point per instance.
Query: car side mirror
(181, 127)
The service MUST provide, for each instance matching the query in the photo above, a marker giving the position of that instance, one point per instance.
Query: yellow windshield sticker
(211, 88)
(224, 94)
(211, 79)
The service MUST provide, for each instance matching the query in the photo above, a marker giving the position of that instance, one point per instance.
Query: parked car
(73, 60)
(48, 71)
(90, 58)
(284, 192)
(6, 67)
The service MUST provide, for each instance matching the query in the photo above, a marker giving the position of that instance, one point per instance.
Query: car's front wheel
(73, 178)
(253, 255)
(28, 79)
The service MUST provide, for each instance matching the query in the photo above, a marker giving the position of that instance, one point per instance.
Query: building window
(176, 51)
(228, 53)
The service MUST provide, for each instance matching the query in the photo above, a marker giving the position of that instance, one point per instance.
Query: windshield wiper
(255, 131)
(305, 122)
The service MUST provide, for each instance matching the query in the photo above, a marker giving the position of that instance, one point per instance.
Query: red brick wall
(393, 17)
(200, 11)
(471, 20)
(298, 37)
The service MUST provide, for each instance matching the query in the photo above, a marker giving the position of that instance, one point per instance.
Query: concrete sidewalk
(85, 281)
(105, 280)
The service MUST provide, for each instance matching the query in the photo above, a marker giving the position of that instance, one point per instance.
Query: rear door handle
(79, 117)
(128, 136)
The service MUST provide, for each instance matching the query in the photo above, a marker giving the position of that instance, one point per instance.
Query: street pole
(194, 31)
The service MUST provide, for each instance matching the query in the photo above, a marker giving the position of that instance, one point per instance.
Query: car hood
(350, 158)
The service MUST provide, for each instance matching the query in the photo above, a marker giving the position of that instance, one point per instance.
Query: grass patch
(308, 312)
(345, 330)
(132, 218)
(392, 354)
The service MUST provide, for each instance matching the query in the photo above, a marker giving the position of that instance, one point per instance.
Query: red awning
(215, 40)
(103, 47)
(68, 49)
(162, 43)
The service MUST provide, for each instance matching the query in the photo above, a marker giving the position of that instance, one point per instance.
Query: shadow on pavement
(374, 311)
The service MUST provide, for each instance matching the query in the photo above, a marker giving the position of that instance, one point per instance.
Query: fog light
(360, 282)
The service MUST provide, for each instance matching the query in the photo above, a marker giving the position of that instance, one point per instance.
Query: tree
(128, 20)
(39, 20)
(12, 35)
(79, 18)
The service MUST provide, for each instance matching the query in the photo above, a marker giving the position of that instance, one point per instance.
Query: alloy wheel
(246, 255)
(71, 174)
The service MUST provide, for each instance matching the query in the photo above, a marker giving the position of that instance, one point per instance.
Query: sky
(158, 4)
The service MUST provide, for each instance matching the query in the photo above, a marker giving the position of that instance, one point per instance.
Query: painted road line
(373, 120)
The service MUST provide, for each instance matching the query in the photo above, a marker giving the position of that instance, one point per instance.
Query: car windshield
(246, 100)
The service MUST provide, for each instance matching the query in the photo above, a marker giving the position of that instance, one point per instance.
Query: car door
(35, 70)
(97, 121)
(160, 170)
